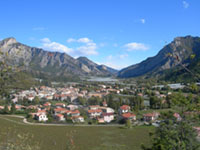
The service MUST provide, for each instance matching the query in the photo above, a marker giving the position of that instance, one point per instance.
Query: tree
(36, 100)
(128, 124)
(174, 135)
(6, 110)
(13, 108)
(178, 99)
(137, 103)
(4, 78)
(168, 101)
(194, 88)
(110, 101)
(155, 102)
(82, 100)
(94, 100)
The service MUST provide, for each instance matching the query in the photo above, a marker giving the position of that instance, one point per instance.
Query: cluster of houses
(69, 94)
(62, 112)
(102, 114)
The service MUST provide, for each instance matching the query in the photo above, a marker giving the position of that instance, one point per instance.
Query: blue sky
(117, 33)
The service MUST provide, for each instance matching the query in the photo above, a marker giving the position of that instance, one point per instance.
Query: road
(53, 124)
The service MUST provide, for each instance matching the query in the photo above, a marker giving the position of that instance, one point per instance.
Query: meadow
(74, 137)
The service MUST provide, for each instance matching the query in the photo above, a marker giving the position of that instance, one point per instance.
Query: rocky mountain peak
(8, 41)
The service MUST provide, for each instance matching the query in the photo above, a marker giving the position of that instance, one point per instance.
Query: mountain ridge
(37, 60)
(180, 48)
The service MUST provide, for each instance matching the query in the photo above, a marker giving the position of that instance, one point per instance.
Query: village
(64, 105)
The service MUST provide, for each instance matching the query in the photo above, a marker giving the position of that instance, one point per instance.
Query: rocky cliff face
(177, 52)
(95, 68)
(52, 63)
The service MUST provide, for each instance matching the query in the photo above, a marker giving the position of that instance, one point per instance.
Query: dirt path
(25, 122)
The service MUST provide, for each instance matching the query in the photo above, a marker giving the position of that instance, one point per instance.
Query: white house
(15, 100)
(60, 105)
(151, 116)
(75, 113)
(107, 109)
(94, 113)
(94, 107)
(59, 117)
(41, 117)
(31, 98)
(124, 109)
(107, 117)
(72, 107)
(78, 119)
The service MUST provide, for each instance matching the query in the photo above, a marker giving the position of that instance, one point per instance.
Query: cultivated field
(76, 138)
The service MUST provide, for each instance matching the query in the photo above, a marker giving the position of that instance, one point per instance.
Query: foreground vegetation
(76, 138)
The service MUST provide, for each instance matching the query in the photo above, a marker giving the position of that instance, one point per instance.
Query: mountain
(39, 62)
(97, 68)
(180, 53)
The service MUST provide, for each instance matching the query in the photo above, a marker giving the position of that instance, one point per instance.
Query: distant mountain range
(38, 61)
(171, 62)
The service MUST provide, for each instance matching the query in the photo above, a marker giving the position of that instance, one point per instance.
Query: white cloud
(81, 40)
(115, 61)
(185, 4)
(54, 46)
(70, 40)
(45, 40)
(88, 47)
(84, 40)
(136, 46)
(143, 21)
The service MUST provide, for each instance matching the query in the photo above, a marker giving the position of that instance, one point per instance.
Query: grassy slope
(85, 138)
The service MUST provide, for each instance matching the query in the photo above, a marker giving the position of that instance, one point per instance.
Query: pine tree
(13, 108)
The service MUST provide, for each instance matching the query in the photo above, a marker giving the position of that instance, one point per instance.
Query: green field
(84, 138)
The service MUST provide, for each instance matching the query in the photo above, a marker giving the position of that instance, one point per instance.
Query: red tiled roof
(47, 104)
(107, 114)
(56, 95)
(151, 114)
(41, 111)
(59, 115)
(125, 107)
(176, 115)
(74, 117)
(128, 115)
(60, 110)
(75, 112)
(95, 111)
(60, 104)
(63, 95)
(93, 106)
